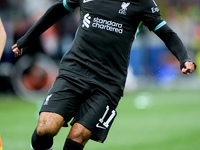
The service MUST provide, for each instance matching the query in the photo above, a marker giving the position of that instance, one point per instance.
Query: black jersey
(101, 48)
(104, 38)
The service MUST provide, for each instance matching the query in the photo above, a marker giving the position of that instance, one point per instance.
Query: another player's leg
(48, 126)
(77, 138)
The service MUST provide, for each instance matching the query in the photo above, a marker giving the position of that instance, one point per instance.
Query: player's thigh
(97, 115)
(63, 99)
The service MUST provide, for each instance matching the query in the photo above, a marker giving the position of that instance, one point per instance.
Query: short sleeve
(70, 5)
(151, 16)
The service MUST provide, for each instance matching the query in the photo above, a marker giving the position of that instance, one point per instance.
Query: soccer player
(93, 72)
(2, 38)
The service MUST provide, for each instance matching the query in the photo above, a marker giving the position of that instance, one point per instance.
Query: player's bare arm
(3, 38)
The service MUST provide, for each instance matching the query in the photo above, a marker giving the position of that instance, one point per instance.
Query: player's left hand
(189, 67)
(16, 51)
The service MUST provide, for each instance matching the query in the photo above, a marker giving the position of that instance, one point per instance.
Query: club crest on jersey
(124, 8)
(47, 100)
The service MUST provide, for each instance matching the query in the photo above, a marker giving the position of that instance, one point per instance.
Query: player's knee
(46, 129)
(79, 137)
(49, 123)
(40, 131)
(79, 134)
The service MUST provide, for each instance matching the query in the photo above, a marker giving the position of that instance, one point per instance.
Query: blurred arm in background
(2, 38)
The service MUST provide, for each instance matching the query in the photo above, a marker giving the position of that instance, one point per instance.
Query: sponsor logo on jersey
(154, 9)
(85, 1)
(86, 20)
(102, 24)
(47, 100)
(124, 8)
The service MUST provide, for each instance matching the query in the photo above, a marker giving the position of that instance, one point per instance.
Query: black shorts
(88, 104)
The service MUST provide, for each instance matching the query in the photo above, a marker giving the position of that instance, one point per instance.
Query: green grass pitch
(147, 120)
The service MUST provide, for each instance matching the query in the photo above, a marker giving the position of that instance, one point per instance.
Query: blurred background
(151, 64)
(152, 68)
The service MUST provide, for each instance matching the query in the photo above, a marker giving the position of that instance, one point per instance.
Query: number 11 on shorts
(110, 118)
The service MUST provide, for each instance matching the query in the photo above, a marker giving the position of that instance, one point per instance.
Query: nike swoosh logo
(85, 1)
(98, 126)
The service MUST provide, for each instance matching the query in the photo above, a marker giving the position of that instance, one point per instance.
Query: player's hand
(189, 67)
(16, 51)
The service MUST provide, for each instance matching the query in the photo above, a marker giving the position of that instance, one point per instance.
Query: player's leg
(93, 121)
(77, 137)
(79, 134)
(48, 126)
(59, 107)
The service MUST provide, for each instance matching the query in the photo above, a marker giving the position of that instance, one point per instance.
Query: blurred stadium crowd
(150, 60)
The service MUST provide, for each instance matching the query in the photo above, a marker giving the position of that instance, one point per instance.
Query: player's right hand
(189, 67)
(16, 51)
